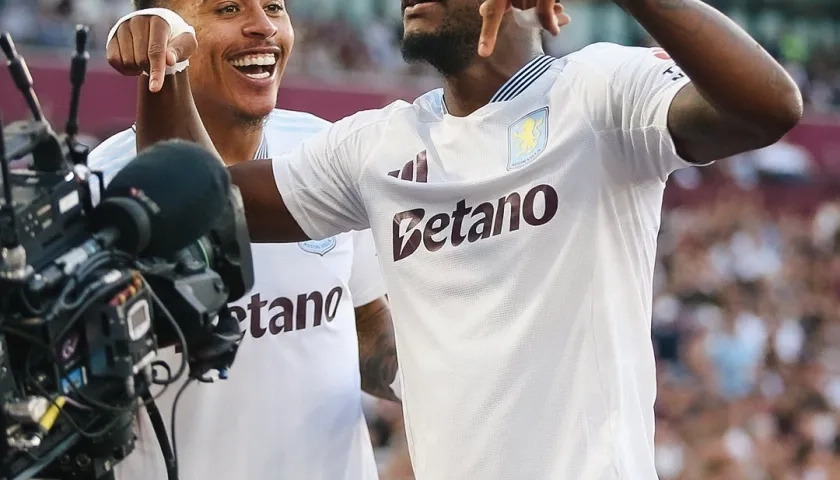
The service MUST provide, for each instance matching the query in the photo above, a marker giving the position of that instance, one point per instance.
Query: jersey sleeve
(366, 283)
(628, 92)
(109, 157)
(319, 180)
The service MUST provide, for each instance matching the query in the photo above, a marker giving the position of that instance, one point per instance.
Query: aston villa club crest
(527, 138)
(318, 247)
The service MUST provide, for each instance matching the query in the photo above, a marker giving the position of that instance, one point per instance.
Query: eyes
(273, 8)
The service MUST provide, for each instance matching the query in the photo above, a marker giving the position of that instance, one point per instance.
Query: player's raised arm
(169, 113)
(155, 45)
(147, 42)
(739, 97)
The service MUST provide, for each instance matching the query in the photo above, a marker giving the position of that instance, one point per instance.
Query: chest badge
(318, 247)
(527, 138)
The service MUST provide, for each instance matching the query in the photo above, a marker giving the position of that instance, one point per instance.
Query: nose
(259, 25)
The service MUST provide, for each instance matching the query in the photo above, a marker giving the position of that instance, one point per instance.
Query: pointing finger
(158, 40)
(548, 20)
(492, 12)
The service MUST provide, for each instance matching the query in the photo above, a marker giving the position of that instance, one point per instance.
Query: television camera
(90, 293)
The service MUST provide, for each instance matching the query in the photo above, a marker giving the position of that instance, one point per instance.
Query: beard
(452, 47)
(213, 103)
(248, 120)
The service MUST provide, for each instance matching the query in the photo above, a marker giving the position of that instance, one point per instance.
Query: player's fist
(148, 42)
(547, 14)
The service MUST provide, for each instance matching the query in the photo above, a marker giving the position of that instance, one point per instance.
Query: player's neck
(473, 88)
(236, 141)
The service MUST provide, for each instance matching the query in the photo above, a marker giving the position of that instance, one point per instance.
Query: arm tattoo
(377, 349)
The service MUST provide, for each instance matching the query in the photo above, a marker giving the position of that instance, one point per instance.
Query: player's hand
(550, 14)
(142, 44)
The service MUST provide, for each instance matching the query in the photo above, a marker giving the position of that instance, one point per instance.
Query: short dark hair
(144, 4)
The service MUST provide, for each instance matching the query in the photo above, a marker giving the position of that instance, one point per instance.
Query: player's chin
(256, 108)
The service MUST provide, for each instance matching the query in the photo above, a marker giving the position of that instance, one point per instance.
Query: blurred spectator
(363, 36)
(746, 328)
(782, 162)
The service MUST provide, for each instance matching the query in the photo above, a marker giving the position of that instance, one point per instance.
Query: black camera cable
(167, 449)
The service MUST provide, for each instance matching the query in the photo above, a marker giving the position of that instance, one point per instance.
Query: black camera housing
(81, 321)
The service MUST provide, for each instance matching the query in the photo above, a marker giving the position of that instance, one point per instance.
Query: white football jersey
(291, 407)
(518, 246)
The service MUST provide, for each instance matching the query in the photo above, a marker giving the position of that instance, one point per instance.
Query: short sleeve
(319, 180)
(629, 104)
(366, 284)
(110, 157)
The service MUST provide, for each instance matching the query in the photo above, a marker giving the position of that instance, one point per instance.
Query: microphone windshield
(182, 187)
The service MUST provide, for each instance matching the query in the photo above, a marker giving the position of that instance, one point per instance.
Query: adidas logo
(416, 170)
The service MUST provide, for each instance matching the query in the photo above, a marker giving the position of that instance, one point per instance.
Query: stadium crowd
(746, 314)
(745, 324)
(363, 36)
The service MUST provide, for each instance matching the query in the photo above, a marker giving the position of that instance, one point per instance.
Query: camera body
(82, 318)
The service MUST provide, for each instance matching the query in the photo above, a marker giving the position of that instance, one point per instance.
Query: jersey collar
(520, 81)
(523, 79)
(262, 150)
(261, 153)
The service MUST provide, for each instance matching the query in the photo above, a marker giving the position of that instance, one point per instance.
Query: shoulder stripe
(523, 79)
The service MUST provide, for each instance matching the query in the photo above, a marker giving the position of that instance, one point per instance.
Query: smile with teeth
(255, 66)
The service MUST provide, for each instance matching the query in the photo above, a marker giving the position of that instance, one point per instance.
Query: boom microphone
(170, 195)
